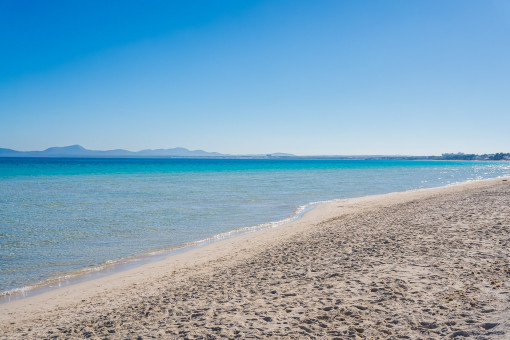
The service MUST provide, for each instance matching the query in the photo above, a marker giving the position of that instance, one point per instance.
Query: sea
(70, 219)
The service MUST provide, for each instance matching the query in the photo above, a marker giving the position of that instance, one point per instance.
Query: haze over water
(66, 215)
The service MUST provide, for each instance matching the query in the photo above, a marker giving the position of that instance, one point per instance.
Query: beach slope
(423, 264)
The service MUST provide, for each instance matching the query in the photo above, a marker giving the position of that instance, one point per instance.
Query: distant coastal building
(485, 157)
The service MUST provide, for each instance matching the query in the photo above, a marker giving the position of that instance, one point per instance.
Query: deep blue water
(61, 216)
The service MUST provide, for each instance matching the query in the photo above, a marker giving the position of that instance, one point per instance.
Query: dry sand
(424, 264)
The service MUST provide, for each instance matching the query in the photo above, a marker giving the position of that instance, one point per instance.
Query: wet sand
(425, 264)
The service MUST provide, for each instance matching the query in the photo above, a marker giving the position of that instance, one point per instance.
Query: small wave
(236, 232)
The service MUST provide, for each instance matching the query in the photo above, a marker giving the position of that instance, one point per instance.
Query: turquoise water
(61, 216)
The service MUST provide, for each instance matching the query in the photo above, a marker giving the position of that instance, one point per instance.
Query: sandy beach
(431, 263)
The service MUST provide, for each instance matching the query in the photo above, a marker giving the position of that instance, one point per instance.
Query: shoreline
(123, 264)
(136, 285)
(116, 266)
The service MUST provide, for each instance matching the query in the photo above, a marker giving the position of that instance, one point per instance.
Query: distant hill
(280, 154)
(183, 152)
(79, 151)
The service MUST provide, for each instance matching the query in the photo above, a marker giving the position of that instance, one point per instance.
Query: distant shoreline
(314, 158)
(77, 151)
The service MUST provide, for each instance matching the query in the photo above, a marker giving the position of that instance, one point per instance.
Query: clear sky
(304, 77)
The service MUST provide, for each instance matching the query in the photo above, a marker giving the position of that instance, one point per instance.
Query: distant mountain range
(74, 151)
(77, 151)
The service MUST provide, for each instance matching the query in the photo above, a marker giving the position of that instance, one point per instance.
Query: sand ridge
(424, 264)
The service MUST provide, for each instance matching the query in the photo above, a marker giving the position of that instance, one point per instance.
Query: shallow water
(61, 216)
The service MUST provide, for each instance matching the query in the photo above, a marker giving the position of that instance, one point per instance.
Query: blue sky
(305, 77)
